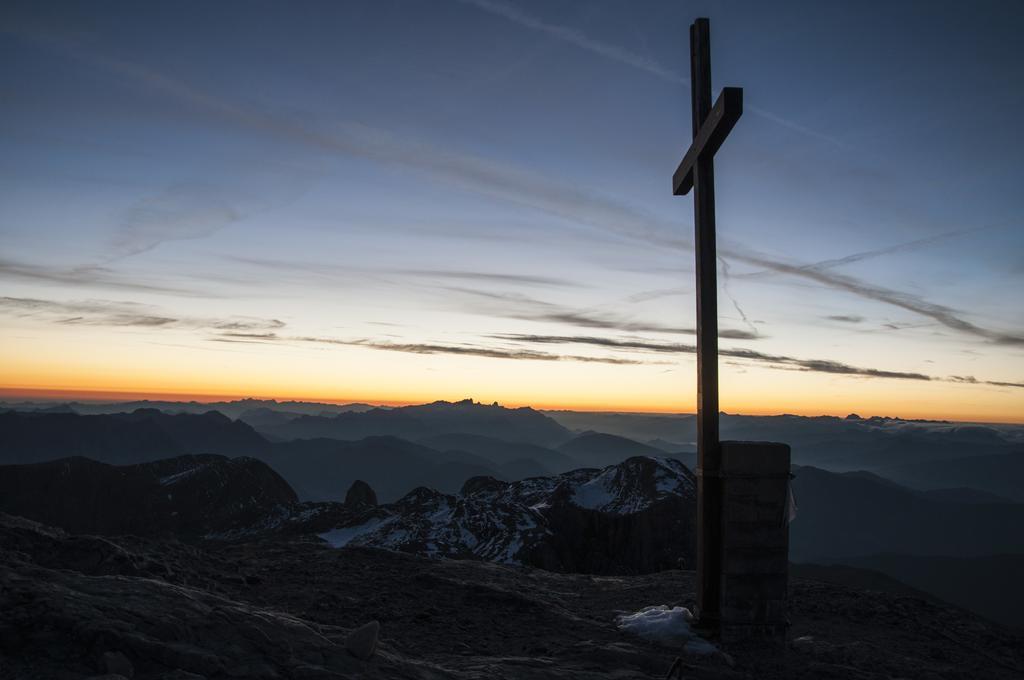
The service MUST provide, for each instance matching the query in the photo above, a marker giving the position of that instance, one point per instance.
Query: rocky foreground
(76, 606)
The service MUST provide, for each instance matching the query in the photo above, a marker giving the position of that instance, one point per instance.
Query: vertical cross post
(709, 483)
(711, 125)
(742, 530)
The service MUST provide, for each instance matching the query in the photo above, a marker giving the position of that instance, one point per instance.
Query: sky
(402, 201)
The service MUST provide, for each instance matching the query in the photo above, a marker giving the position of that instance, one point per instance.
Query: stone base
(755, 541)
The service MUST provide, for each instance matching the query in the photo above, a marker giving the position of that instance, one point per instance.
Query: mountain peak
(637, 516)
(482, 484)
(360, 494)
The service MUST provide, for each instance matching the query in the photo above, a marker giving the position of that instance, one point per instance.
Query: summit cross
(711, 125)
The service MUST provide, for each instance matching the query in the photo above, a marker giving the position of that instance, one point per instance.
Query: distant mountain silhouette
(464, 438)
(264, 417)
(679, 427)
(999, 474)
(319, 469)
(922, 454)
(232, 409)
(323, 469)
(599, 449)
(143, 435)
(672, 447)
(188, 496)
(848, 515)
(956, 544)
(889, 446)
(503, 453)
(963, 494)
(418, 422)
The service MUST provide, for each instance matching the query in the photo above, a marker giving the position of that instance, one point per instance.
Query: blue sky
(403, 199)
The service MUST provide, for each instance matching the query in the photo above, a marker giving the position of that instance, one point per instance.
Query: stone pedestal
(755, 541)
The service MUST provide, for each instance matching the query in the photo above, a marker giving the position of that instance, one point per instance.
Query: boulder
(360, 494)
(362, 642)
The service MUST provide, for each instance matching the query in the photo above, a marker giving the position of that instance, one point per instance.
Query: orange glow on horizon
(106, 368)
(31, 393)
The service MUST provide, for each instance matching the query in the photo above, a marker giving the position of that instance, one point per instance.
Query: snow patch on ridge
(177, 477)
(663, 624)
(595, 494)
(341, 537)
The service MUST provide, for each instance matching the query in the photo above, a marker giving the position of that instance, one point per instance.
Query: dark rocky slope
(121, 438)
(188, 496)
(77, 607)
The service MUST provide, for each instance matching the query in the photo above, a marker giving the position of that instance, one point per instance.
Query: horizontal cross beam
(709, 138)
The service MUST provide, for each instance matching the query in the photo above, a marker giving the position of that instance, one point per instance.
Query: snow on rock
(341, 537)
(658, 622)
(663, 624)
(634, 485)
(625, 488)
(175, 478)
(597, 494)
(431, 523)
(524, 522)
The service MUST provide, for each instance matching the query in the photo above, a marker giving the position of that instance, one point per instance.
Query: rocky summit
(634, 517)
(240, 580)
(182, 496)
(74, 606)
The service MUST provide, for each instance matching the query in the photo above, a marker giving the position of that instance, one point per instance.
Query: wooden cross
(711, 125)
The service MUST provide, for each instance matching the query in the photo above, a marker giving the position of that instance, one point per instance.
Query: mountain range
(908, 498)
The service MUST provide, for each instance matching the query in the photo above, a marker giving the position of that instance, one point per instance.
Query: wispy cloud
(613, 52)
(489, 277)
(1004, 384)
(828, 366)
(644, 345)
(656, 294)
(519, 186)
(92, 276)
(442, 277)
(845, 318)
(429, 348)
(946, 316)
(578, 38)
(180, 212)
(124, 314)
(906, 246)
(489, 352)
(481, 175)
(971, 380)
(726, 288)
(525, 308)
(772, 360)
(603, 320)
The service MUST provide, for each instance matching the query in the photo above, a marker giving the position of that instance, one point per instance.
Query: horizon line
(99, 396)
